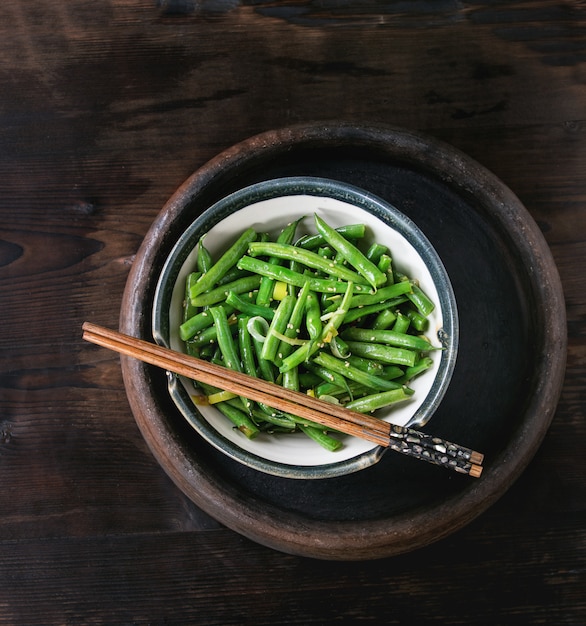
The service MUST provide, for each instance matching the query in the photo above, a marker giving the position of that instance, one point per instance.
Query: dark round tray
(508, 375)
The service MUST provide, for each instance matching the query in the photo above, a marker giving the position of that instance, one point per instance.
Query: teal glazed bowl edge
(168, 293)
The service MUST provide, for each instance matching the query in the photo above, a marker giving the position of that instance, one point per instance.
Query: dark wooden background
(105, 108)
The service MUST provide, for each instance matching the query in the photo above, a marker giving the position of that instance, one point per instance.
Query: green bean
(199, 321)
(308, 379)
(328, 375)
(392, 372)
(204, 258)
(305, 257)
(208, 336)
(339, 347)
(265, 290)
(227, 345)
(418, 321)
(231, 275)
(245, 305)
(367, 365)
(351, 253)
(277, 328)
(375, 252)
(385, 354)
(326, 252)
(384, 293)
(351, 231)
(423, 303)
(313, 321)
(248, 356)
(420, 366)
(370, 403)
(188, 309)
(337, 317)
(325, 388)
(293, 328)
(389, 337)
(217, 295)
(193, 350)
(385, 319)
(239, 418)
(266, 368)
(224, 263)
(285, 421)
(418, 297)
(225, 339)
(344, 395)
(360, 312)
(287, 235)
(334, 258)
(320, 436)
(284, 274)
(324, 391)
(274, 417)
(299, 356)
(216, 356)
(385, 265)
(290, 379)
(353, 373)
(402, 323)
(246, 348)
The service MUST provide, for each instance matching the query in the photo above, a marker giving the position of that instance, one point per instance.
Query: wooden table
(105, 108)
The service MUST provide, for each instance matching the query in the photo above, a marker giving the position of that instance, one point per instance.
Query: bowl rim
(292, 532)
(382, 210)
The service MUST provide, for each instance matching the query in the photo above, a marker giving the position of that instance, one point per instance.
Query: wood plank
(105, 108)
(198, 578)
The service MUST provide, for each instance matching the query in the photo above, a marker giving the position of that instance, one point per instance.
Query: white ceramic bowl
(269, 206)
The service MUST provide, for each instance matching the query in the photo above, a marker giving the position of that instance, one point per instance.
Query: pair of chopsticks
(399, 438)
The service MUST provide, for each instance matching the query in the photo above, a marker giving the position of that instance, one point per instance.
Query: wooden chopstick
(399, 438)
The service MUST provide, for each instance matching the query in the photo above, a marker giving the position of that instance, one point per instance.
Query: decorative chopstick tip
(477, 458)
(475, 471)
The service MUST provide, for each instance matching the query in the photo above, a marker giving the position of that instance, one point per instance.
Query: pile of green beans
(323, 314)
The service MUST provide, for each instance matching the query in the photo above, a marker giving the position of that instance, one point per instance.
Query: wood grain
(105, 108)
(109, 580)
